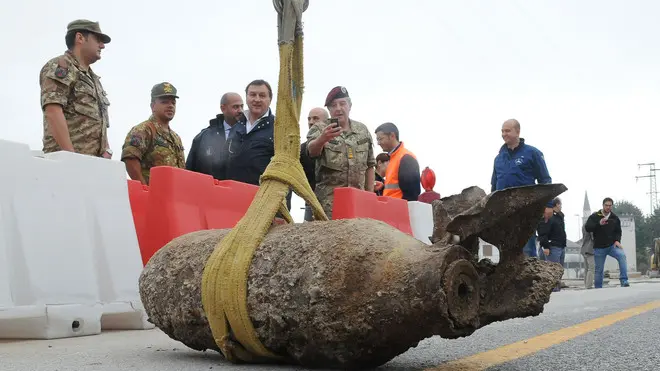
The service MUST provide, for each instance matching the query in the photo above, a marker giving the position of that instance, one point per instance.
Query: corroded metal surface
(356, 293)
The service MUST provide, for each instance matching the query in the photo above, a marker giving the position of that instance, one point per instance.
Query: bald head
(226, 97)
(231, 105)
(511, 133)
(513, 123)
(317, 114)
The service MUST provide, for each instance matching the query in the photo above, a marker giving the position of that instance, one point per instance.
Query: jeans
(600, 254)
(557, 255)
(308, 213)
(530, 247)
(589, 270)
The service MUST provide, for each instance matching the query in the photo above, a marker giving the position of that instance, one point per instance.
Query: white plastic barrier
(421, 220)
(69, 256)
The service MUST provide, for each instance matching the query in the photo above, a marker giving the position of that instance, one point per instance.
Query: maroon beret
(336, 92)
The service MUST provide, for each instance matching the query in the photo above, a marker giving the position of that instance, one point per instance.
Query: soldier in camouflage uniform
(73, 101)
(153, 142)
(344, 151)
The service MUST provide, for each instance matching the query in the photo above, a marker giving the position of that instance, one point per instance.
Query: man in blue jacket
(518, 164)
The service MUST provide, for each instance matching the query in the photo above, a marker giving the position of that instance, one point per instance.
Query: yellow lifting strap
(224, 282)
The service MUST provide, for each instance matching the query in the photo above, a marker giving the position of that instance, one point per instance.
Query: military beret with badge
(336, 93)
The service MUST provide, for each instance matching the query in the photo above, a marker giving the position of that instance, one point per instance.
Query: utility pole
(653, 192)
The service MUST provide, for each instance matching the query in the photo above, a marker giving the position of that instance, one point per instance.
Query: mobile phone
(334, 121)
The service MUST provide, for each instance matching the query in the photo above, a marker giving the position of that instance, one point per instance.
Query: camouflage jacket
(83, 100)
(343, 162)
(153, 145)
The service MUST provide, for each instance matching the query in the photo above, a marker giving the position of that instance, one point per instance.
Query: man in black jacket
(252, 145)
(606, 229)
(208, 153)
(552, 236)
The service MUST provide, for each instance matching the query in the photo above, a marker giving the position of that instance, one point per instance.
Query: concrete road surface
(608, 329)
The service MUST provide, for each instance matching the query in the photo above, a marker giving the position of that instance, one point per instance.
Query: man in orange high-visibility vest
(402, 175)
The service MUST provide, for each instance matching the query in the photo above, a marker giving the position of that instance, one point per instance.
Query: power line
(653, 191)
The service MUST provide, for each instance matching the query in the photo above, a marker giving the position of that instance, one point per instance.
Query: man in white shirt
(251, 145)
(259, 97)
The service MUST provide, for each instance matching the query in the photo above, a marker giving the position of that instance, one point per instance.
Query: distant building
(573, 261)
(488, 251)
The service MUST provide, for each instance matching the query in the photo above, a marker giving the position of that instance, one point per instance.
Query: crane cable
(224, 281)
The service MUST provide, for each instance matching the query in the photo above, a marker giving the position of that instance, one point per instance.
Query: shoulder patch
(62, 67)
(61, 72)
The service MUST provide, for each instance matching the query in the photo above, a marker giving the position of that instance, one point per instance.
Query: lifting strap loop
(224, 281)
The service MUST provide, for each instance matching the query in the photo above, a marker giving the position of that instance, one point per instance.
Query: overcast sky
(580, 76)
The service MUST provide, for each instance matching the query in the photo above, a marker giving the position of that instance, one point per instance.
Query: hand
(107, 155)
(617, 244)
(378, 186)
(546, 252)
(331, 131)
(603, 221)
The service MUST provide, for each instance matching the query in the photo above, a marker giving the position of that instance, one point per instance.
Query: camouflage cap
(164, 89)
(86, 25)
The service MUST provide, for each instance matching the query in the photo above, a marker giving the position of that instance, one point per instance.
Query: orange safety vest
(391, 188)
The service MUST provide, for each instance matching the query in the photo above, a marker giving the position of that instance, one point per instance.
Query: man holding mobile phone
(343, 149)
(606, 228)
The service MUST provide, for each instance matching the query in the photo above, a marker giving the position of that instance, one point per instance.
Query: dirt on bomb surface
(314, 290)
(356, 293)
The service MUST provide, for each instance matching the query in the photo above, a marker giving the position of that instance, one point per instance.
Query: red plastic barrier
(182, 201)
(350, 203)
(138, 196)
